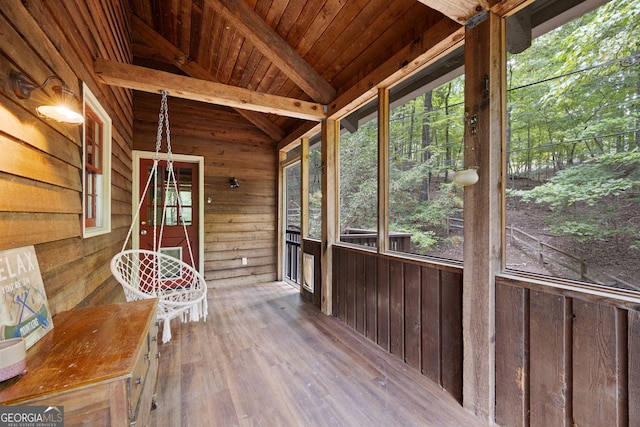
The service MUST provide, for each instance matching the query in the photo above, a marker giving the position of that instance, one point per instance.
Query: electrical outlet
(244, 261)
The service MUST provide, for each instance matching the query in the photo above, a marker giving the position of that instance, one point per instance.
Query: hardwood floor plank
(264, 357)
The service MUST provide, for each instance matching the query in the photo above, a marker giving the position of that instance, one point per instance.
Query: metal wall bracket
(477, 19)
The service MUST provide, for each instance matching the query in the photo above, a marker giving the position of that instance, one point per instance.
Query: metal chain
(161, 120)
(166, 121)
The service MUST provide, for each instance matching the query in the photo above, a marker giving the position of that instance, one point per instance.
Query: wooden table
(100, 363)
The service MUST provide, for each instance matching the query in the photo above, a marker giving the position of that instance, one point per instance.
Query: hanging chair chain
(163, 121)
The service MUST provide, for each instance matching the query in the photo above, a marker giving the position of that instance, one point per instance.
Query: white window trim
(104, 203)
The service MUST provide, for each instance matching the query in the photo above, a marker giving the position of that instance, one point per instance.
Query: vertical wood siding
(41, 161)
(239, 222)
(411, 309)
(564, 359)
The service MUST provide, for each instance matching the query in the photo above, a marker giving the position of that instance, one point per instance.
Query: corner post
(485, 121)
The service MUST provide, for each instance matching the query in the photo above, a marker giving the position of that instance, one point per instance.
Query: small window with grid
(97, 177)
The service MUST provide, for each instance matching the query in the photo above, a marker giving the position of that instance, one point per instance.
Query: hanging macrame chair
(180, 289)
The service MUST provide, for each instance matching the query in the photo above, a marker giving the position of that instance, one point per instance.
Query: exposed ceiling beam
(154, 81)
(458, 10)
(267, 41)
(171, 53)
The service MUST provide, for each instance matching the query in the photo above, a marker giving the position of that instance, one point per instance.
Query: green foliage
(573, 118)
(429, 220)
(586, 199)
(589, 183)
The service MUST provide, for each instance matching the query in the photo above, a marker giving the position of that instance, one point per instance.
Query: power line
(632, 59)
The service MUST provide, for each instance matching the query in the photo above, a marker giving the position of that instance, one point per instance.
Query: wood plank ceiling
(305, 50)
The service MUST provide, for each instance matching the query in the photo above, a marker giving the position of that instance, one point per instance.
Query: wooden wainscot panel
(599, 365)
(511, 355)
(431, 326)
(550, 355)
(396, 308)
(371, 289)
(412, 325)
(634, 367)
(451, 326)
(383, 303)
(351, 291)
(360, 278)
(410, 308)
(340, 294)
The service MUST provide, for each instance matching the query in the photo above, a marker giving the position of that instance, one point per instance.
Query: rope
(163, 127)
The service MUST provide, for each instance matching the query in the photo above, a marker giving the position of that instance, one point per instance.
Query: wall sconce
(233, 183)
(61, 110)
(466, 177)
(469, 176)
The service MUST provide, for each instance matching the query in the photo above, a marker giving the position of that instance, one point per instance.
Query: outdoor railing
(400, 242)
(292, 256)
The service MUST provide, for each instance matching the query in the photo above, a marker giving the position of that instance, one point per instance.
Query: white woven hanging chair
(180, 289)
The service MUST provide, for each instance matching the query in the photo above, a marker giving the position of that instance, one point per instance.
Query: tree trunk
(426, 143)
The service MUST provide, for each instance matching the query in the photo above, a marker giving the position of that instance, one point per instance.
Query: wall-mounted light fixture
(469, 176)
(63, 107)
(466, 177)
(233, 183)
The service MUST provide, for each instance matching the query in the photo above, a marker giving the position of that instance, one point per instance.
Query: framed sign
(24, 310)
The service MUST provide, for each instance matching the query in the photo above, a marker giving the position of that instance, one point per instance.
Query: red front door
(173, 240)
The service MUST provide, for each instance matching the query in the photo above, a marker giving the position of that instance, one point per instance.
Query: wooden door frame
(135, 196)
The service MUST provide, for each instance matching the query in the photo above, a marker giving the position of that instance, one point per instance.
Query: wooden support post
(304, 202)
(383, 170)
(282, 214)
(483, 208)
(330, 170)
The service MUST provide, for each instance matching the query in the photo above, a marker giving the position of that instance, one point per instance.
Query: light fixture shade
(61, 114)
(466, 177)
(63, 108)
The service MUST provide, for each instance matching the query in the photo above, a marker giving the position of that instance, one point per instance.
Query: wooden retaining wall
(410, 308)
(565, 358)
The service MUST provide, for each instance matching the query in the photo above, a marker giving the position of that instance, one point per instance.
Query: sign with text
(31, 416)
(24, 311)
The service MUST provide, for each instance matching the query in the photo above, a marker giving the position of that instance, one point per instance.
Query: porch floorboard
(264, 357)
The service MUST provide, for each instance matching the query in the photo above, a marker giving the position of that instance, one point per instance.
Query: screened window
(359, 178)
(573, 188)
(96, 167)
(425, 147)
(315, 190)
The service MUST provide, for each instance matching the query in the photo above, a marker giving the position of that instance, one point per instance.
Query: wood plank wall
(411, 309)
(239, 222)
(41, 161)
(565, 358)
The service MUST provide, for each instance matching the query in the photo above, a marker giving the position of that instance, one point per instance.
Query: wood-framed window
(92, 165)
(96, 167)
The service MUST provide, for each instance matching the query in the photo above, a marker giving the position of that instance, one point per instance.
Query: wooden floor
(266, 358)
